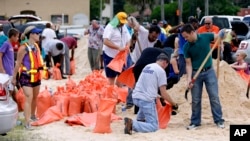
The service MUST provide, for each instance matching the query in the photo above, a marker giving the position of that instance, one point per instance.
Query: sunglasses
(207, 23)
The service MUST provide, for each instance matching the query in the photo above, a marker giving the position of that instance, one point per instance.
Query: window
(236, 19)
(59, 19)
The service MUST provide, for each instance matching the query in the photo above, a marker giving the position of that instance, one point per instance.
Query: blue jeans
(181, 65)
(209, 78)
(129, 100)
(129, 62)
(147, 112)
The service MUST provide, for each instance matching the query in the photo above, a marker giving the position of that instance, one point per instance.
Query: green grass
(19, 133)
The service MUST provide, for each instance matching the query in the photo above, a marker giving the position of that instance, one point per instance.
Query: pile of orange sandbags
(78, 98)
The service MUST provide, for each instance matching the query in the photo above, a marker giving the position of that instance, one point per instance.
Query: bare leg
(28, 92)
(33, 104)
(111, 80)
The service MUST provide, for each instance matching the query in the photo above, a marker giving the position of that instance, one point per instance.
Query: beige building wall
(46, 8)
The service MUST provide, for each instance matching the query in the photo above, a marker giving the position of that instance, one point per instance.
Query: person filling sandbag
(145, 94)
(148, 56)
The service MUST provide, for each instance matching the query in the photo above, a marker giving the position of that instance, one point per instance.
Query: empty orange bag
(119, 61)
(72, 67)
(43, 102)
(56, 73)
(127, 77)
(87, 119)
(52, 114)
(164, 113)
(122, 94)
(103, 117)
(243, 75)
(75, 104)
(20, 99)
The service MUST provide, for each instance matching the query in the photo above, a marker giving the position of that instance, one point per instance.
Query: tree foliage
(141, 5)
(95, 9)
(118, 6)
(221, 7)
(129, 8)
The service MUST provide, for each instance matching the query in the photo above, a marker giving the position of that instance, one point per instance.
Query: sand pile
(232, 92)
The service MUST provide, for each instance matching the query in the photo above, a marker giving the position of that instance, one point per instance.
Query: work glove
(163, 103)
(175, 109)
(132, 21)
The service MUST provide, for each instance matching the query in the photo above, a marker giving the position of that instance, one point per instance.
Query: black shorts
(109, 72)
(24, 80)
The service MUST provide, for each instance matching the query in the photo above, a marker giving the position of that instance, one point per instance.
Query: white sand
(232, 91)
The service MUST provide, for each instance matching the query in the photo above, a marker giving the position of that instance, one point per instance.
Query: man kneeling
(144, 95)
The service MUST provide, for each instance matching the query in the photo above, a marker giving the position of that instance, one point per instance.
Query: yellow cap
(122, 17)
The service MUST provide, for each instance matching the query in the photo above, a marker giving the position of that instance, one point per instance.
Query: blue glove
(221, 33)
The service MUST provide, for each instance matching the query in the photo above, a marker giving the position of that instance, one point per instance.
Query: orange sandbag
(56, 73)
(43, 102)
(119, 61)
(72, 67)
(122, 94)
(164, 114)
(87, 119)
(56, 94)
(20, 99)
(75, 104)
(103, 117)
(52, 114)
(243, 75)
(70, 84)
(63, 102)
(127, 77)
(91, 103)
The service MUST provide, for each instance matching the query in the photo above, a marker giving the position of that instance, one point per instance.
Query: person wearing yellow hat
(115, 38)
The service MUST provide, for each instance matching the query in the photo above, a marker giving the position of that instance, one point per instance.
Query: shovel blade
(186, 93)
(247, 94)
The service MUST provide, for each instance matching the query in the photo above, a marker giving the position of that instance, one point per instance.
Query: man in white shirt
(115, 38)
(146, 38)
(145, 94)
(47, 34)
(55, 49)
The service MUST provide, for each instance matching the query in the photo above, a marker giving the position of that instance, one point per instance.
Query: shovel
(202, 65)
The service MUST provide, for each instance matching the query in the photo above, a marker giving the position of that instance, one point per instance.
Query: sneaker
(28, 127)
(220, 125)
(63, 77)
(33, 118)
(192, 127)
(128, 126)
